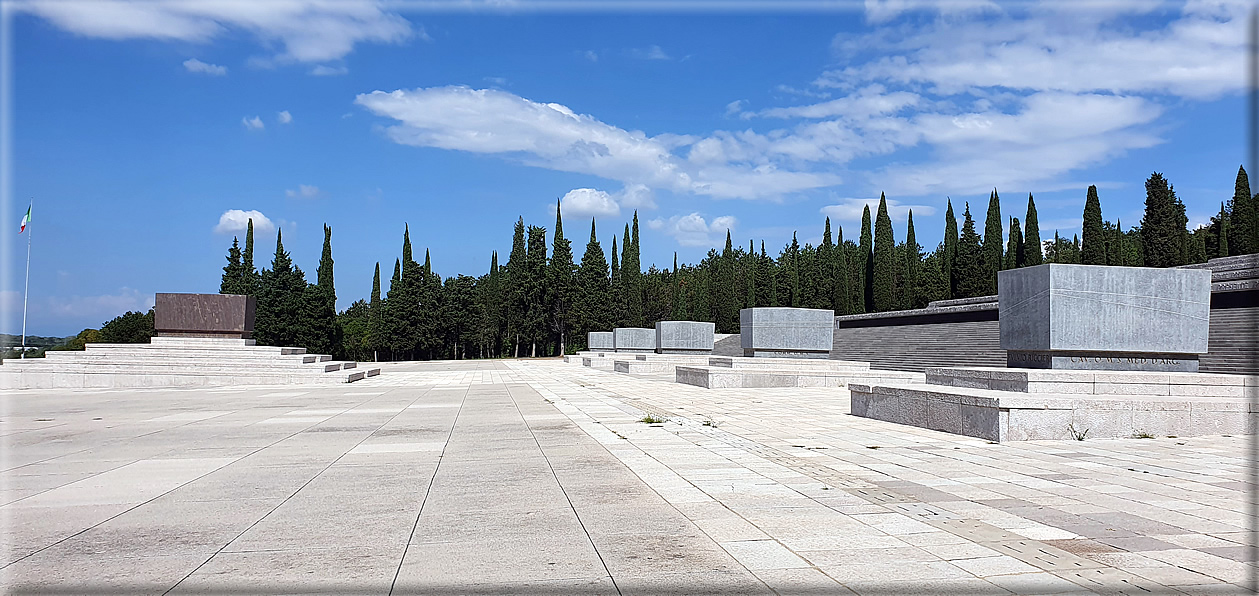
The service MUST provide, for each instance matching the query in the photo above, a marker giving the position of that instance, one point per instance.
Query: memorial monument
(204, 315)
(634, 339)
(1091, 317)
(684, 337)
(599, 341)
(777, 332)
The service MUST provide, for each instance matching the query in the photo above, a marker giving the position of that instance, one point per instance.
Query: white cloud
(636, 196)
(194, 65)
(591, 56)
(500, 81)
(692, 229)
(254, 123)
(552, 136)
(236, 220)
(852, 209)
(284, 117)
(103, 307)
(303, 191)
(323, 70)
(589, 202)
(308, 30)
(651, 52)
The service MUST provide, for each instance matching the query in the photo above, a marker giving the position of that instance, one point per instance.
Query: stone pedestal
(786, 332)
(599, 341)
(1089, 317)
(684, 337)
(634, 339)
(203, 315)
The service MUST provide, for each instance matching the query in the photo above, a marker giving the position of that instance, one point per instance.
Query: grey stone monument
(634, 339)
(599, 341)
(775, 332)
(684, 337)
(203, 315)
(1090, 317)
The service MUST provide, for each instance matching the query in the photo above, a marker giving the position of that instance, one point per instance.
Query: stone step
(201, 341)
(111, 355)
(1093, 382)
(169, 368)
(99, 380)
(785, 363)
(204, 348)
(714, 377)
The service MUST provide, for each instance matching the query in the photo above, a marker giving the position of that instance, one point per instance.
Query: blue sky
(142, 130)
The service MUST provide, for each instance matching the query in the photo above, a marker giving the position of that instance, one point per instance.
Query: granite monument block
(203, 315)
(684, 337)
(634, 339)
(775, 332)
(1104, 318)
(598, 341)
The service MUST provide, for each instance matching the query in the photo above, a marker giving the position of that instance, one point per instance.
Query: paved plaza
(539, 477)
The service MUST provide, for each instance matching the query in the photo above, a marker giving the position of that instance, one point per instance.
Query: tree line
(537, 304)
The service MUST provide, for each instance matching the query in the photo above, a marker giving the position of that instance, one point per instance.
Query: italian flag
(25, 220)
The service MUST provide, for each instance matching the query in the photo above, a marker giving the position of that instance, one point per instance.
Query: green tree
(1162, 228)
(1015, 255)
(1031, 242)
(277, 316)
(766, 289)
(1244, 217)
(561, 284)
(616, 294)
(233, 281)
(727, 309)
(252, 280)
(931, 283)
(535, 284)
(883, 285)
(841, 293)
(632, 269)
(866, 262)
(913, 266)
(950, 248)
(969, 271)
(1093, 242)
(318, 330)
(992, 244)
(129, 328)
(375, 324)
(517, 298)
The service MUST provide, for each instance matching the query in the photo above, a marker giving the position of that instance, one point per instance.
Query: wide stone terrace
(539, 477)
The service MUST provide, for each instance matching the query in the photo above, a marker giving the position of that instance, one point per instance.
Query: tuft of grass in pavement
(652, 419)
(1075, 434)
(1140, 434)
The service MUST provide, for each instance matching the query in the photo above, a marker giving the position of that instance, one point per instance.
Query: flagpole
(27, 291)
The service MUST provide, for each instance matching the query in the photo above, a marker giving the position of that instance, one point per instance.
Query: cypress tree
(883, 284)
(1222, 233)
(950, 248)
(992, 243)
(1093, 246)
(397, 272)
(764, 279)
(616, 296)
(250, 273)
(866, 262)
(793, 271)
(535, 289)
(841, 296)
(913, 263)
(727, 309)
(560, 284)
(969, 271)
(1243, 223)
(1015, 252)
(635, 287)
(319, 330)
(1034, 255)
(517, 299)
(375, 312)
(750, 269)
(678, 312)
(1162, 233)
(407, 261)
(593, 287)
(234, 273)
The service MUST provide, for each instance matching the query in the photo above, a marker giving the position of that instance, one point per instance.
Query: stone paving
(539, 477)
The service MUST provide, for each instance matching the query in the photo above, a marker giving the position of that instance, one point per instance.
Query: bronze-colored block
(204, 315)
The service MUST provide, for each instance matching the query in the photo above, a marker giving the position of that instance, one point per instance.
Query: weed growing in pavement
(652, 419)
(1075, 434)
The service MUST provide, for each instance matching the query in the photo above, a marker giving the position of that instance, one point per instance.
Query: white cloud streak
(308, 30)
(692, 229)
(303, 191)
(237, 220)
(284, 117)
(254, 123)
(194, 65)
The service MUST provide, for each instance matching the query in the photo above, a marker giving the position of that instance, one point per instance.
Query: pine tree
(793, 271)
(634, 289)
(278, 311)
(1162, 233)
(749, 274)
(969, 271)
(913, 265)
(319, 331)
(375, 328)
(234, 273)
(535, 289)
(883, 285)
(1015, 255)
(993, 243)
(841, 294)
(1222, 233)
(765, 279)
(1031, 241)
(397, 272)
(825, 273)
(727, 309)
(616, 297)
(678, 313)
(950, 249)
(561, 284)
(1244, 217)
(1093, 245)
(866, 264)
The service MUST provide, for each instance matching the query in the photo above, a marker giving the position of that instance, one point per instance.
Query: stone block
(1130, 389)
(203, 315)
(599, 340)
(944, 415)
(1162, 422)
(1037, 425)
(1208, 390)
(857, 402)
(980, 421)
(786, 332)
(1094, 317)
(684, 337)
(1103, 423)
(1059, 387)
(634, 339)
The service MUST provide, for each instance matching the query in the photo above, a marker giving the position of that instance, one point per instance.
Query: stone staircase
(179, 362)
(919, 347)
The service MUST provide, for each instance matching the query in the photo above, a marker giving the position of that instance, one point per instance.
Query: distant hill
(8, 340)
